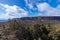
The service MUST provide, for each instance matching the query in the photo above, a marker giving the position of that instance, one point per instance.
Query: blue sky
(24, 8)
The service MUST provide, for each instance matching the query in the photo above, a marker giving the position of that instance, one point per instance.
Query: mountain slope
(40, 19)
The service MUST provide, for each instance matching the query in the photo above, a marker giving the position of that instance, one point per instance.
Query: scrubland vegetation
(18, 30)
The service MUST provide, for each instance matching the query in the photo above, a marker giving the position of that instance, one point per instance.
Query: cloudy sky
(24, 8)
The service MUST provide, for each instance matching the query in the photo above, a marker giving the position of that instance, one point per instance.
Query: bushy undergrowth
(22, 31)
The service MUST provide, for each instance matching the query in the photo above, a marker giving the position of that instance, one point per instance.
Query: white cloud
(12, 12)
(30, 3)
(16, 12)
(46, 10)
(58, 7)
(45, 7)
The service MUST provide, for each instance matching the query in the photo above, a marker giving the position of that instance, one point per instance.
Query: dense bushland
(18, 30)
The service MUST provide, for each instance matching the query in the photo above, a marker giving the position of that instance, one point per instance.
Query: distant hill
(38, 19)
(30, 28)
(3, 20)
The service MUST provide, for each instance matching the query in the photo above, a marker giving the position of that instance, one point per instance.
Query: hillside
(31, 28)
(40, 19)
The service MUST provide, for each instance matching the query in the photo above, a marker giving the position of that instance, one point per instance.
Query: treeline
(23, 31)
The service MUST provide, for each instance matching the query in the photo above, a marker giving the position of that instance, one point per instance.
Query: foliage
(24, 31)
